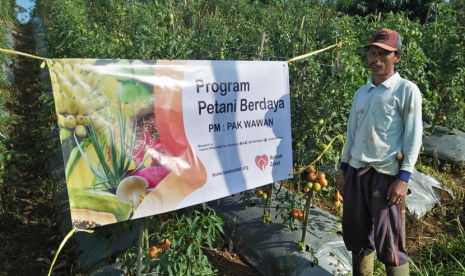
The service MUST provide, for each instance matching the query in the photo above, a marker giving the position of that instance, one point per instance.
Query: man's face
(381, 61)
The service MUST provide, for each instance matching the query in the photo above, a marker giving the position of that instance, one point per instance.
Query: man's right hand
(341, 181)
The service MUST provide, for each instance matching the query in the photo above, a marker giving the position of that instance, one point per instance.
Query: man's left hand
(397, 192)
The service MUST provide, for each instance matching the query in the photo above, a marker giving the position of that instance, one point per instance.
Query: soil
(29, 218)
(228, 263)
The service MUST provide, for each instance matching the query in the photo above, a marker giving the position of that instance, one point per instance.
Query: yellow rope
(49, 62)
(46, 60)
(63, 244)
(316, 52)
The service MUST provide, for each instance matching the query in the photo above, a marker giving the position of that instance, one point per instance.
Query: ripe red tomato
(166, 243)
(295, 213)
(323, 182)
(311, 176)
(153, 253)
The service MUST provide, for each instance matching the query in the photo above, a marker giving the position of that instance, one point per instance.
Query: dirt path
(28, 226)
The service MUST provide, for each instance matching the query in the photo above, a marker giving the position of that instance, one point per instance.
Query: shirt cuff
(404, 175)
(344, 166)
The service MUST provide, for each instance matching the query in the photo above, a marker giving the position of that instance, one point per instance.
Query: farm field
(321, 92)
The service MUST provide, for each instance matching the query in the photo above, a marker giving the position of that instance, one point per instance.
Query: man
(385, 118)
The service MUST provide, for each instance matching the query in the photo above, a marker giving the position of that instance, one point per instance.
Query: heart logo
(261, 161)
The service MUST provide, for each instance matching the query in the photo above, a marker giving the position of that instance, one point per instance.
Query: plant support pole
(306, 217)
(261, 47)
(140, 253)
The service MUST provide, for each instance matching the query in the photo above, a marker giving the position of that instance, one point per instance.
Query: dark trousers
(368, 222)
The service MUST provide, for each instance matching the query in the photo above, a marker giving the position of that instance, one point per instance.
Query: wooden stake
(428, 14)
(260, 50)
(336, 64)
(140, 253)
(302, 24)
(307, 216)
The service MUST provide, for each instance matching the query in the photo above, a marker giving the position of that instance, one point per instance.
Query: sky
(27, 4)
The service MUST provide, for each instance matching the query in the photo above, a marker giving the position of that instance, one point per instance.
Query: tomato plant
(321, 86)
(7, 152)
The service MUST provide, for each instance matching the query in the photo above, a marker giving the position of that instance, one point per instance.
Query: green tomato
(309, 185)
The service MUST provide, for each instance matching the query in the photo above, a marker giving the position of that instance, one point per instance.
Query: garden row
(321, 86)
(6, 85)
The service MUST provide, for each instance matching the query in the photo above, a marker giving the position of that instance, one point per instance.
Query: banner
(143, 137)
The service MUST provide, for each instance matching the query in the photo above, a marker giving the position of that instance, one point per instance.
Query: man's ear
(398, 58)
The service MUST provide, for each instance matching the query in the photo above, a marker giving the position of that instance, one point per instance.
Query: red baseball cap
(387, 39)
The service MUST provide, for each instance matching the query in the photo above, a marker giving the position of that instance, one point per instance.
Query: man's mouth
(375, 66)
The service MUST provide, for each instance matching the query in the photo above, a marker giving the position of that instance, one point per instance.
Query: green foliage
(7, 153)
(418, 9)
(287, 201)
(445, 257)
(187, 233)
(321, 86)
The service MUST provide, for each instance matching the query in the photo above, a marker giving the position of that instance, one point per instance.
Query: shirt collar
(387, 83)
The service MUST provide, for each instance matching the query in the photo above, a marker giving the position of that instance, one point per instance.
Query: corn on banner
(143, 137)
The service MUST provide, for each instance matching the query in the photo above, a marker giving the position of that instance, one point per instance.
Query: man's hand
(341, 181)
(397, 192)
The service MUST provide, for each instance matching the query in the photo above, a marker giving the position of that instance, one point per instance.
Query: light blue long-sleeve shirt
(383, 120)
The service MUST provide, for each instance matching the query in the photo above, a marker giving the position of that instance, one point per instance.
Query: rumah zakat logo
(261, 161)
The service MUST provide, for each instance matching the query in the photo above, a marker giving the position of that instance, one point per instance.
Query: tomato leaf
(189, 250)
